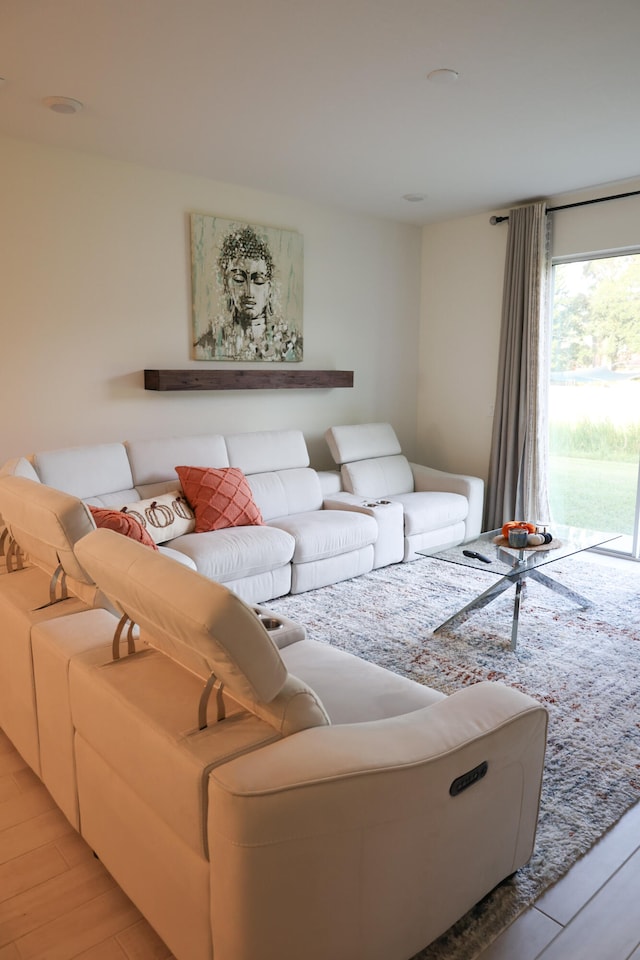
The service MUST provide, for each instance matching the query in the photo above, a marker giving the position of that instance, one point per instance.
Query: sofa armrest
(347, 501)
(389, 547)
(19, 467)
(344, 838)
(330, 482)
(428, 478)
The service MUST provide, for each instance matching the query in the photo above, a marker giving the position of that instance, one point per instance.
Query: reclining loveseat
(435, 508)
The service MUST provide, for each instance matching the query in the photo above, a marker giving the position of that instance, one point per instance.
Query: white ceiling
(329, 99)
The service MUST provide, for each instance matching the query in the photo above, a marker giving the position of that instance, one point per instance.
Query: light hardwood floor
(592, 913)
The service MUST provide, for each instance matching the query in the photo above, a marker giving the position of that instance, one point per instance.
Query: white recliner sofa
(301, 545)
(434, 508)
(257, 801)
(43, 527)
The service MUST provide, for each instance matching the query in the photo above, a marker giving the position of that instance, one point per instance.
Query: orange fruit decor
(517, 524)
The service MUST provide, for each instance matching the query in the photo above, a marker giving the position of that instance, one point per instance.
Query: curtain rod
(580, 203)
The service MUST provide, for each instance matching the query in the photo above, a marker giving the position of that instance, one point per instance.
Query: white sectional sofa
(316, 531)
(259, 796)
(299, 547)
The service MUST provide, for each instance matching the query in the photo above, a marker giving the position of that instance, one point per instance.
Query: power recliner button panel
(468, 779)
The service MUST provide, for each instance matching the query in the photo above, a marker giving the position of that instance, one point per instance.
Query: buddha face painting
(246, 266)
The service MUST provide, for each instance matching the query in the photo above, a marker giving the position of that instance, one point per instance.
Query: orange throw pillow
(219, 497)
(122, 523)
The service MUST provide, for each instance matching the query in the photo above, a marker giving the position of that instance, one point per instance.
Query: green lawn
(597, 494)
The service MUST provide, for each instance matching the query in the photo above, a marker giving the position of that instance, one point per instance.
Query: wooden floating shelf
(245, 379)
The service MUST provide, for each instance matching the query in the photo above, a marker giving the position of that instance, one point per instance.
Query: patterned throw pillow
(164, 517)
(220, 497)
(121, 523)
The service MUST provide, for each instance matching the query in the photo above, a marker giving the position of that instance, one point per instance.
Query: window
(594, 396)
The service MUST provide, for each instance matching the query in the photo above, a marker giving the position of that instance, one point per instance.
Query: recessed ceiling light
(62, 104)
(414, 197)
(443, 75)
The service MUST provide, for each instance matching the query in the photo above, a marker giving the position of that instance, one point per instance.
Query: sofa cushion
(431, 511)
(381, 477)
(122, 523)
(352, 689)
(220, 498)
(328, 533)
(164, 517)
(283, 492)
(237, 552)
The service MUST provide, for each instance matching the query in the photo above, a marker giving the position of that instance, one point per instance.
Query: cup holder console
(267, 621)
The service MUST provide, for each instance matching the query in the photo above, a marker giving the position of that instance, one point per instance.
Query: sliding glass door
(594, 396)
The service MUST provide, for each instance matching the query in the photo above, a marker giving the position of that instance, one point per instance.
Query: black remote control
(474, 555)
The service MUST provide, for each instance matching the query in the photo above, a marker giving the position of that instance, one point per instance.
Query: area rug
(584, 665)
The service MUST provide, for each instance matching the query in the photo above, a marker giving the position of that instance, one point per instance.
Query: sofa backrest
(153, 462)
(46, 524)
(267, 450)
(276, 464)
(371, 461)
(99, 473)
(113, 474)
(202, 625)
(380, 477)
(15, 467)
(283, 492)
(362, 441)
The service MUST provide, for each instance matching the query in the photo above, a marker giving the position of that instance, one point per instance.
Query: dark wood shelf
(245, 379)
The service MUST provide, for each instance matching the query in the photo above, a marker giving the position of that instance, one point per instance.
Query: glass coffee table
(514, 566)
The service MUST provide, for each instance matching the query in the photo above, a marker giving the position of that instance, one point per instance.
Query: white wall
(95, 287)
(462, 275)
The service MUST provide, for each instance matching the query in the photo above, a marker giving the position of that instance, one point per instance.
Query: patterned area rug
(584, 665)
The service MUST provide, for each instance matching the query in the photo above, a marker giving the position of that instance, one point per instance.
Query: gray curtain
(517, 486)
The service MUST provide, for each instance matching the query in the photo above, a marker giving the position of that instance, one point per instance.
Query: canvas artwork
(246, 290)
